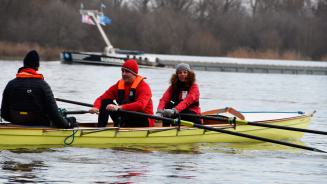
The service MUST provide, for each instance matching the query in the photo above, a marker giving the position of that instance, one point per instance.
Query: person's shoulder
(115, 85)
(42, 83)
(195, 86)
(143, 83)
(12, 81)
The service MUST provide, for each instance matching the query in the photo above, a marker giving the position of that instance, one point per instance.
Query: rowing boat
(88, 134)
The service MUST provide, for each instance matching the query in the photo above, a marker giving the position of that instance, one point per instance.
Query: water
(197, 163)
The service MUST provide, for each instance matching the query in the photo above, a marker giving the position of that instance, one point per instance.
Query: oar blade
(190, 124)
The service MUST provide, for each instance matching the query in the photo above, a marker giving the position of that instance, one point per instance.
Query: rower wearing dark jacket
(28, 100)
(182, 96)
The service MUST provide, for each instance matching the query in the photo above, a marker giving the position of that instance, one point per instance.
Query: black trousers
(120, 120)
(186, 118)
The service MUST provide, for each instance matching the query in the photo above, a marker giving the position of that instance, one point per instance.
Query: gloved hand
(159, 113)
(169, 112)
(71, 122)
(62, 112)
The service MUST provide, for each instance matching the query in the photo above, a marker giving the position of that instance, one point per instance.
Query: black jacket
(30, 102)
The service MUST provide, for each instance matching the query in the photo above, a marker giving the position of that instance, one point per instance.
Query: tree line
(188, 27)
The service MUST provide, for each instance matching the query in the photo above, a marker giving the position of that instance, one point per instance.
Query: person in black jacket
(28, 100)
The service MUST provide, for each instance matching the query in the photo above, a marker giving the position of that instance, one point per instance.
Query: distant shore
(17, 51)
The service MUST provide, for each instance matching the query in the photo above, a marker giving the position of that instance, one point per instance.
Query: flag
(87, 19)
(104, 20)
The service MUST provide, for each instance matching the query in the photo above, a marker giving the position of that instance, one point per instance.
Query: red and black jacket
(181, 98)
(132, 97)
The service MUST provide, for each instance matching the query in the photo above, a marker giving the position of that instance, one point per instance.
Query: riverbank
(17, 51)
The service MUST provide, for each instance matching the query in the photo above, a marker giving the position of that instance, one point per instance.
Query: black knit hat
(32, 60)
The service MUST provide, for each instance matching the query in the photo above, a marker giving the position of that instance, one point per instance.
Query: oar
(190, 124)
(77, 112)
(243, 122)
(131, 112)
(74, 102)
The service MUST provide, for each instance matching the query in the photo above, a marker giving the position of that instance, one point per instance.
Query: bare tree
(142, 5)
(197, 27)
(182, 6)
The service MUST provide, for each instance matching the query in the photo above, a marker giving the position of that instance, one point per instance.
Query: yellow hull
(96, 136)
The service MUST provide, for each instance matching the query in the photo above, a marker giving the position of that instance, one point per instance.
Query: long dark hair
(188, 82)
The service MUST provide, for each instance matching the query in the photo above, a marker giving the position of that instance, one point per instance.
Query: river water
(196, 163)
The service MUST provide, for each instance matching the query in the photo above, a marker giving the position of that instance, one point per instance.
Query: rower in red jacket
(131, 93)
(182, 96)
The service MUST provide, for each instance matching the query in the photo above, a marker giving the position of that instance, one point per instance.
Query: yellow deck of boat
(16, 135)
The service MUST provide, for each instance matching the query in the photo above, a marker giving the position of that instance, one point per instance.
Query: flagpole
(93, 14)
(110, 48)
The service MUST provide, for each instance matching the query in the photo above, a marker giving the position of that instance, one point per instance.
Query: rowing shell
(88, 135)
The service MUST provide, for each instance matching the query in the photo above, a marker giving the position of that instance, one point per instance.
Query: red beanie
(131, 66)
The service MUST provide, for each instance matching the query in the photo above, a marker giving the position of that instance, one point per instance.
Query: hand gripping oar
(243, 122)
(190, 124)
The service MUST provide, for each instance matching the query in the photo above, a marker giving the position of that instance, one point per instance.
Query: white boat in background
(110, 56)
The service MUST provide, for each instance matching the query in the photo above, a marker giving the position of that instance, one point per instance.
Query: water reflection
(128, 175)
(23, 172)
(196, 148)
(24, 167)
(239, 148)
(30, 149)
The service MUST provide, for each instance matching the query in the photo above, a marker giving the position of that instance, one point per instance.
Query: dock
(226, 64)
